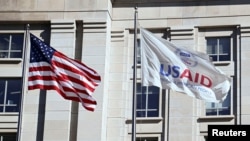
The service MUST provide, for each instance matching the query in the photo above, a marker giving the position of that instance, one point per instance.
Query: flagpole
(134, 78)
(24, 79)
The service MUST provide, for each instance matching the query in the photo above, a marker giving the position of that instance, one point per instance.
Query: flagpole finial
(27, 26)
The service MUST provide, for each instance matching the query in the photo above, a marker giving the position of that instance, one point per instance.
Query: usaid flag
(169, 67)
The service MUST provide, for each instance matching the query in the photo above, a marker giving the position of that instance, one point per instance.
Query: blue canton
(40, 52)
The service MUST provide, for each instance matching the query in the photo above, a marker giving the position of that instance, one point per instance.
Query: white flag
(169, 67)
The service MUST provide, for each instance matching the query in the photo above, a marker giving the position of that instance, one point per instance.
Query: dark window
(10, 92)
(219, 48)
(7, 136)
(11, 45)
(147, 101)
(223, 108)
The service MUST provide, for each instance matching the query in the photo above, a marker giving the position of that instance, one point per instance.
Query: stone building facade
(100, 33)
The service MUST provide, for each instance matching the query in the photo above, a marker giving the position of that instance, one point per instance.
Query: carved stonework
(245, 31)
(182, 33)
(92, 26)
(117, 35)
(63, 26)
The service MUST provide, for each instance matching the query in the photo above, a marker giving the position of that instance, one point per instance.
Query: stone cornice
(92, 26)
(181, 33)
(245, 31)
(63, 26)
(117, 35)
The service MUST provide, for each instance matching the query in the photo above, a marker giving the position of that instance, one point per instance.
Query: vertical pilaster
(58, 110)
(183, 37)
(243, 68)
(95, 54)
(119, 92)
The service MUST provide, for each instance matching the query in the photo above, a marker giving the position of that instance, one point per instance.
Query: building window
(10, 92)
(147, 101)
(11, 45)
(219, 48)
(7, 136)
(215, 109)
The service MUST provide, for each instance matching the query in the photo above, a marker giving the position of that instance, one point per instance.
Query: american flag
(52, 70)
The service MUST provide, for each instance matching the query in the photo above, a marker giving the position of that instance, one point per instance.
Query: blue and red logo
(186, 57)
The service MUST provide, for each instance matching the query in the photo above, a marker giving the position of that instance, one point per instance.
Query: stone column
(58, 110)
(95, 54)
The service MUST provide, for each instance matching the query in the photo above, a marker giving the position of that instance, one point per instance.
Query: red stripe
(89, 109)
(52, 87)
(68, 68)
(86, 78)
(40, 68)
(96, 77)
(65, 97)
(59, 78)
(64, 78)
(66, 89)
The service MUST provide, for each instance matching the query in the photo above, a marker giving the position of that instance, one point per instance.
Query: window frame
(218, 54)
(9, 51)
(3, 135)
(217, 32)
(218, 107)
(6, 94)
(146, 110)
(130, 43)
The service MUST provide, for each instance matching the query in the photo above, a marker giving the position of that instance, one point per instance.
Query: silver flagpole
(26, 56)
(134, 79)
